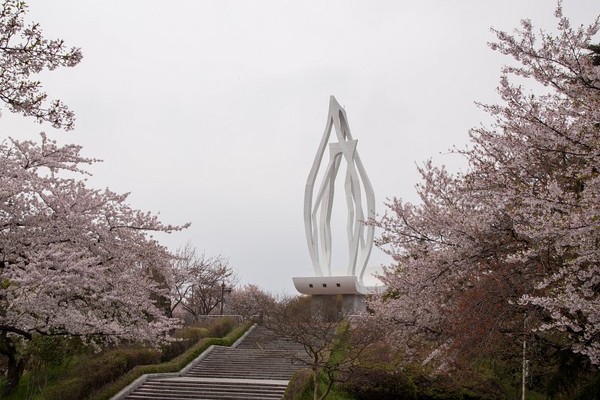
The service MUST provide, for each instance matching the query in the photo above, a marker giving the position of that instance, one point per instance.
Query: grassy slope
(80, 377)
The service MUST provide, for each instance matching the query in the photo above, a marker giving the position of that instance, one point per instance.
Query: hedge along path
(177, 366)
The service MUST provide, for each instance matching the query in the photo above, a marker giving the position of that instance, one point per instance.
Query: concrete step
(247, 363)
(190, 388)
(260, 367)
(194, 388)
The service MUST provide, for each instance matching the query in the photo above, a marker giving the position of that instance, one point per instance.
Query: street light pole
(222, 296)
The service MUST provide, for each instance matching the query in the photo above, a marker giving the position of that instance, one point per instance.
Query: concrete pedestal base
(353, 304)
(336, 307)
(324, 306)
(333, 297)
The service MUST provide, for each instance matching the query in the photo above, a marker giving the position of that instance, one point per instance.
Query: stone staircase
(259, 367)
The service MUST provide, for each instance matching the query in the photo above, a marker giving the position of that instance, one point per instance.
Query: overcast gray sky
(211, 112)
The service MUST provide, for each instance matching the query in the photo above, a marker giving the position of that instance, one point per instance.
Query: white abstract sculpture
(317, 210)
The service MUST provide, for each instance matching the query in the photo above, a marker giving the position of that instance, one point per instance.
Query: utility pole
(524, 371)
(525, 367)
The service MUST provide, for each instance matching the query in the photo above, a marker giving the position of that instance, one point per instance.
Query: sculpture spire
(317, 209)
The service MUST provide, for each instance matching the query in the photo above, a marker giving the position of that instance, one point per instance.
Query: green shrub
(174, 365)
(221, 326)
(591, 390)
(114, 363)
(301, 387)
(299, 384)
(74, 372)
(48, 356)
(367, 383)
(96, 371)
(187, 337)
(68, 389)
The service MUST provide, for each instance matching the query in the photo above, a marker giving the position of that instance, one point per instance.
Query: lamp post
(224, 290)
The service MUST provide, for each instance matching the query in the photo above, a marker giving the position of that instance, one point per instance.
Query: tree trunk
(327, 390)
(316, 386)
(13, 375)
(15, 366)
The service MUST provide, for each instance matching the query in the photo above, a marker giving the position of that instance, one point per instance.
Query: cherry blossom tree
(198, 281)
(73, 260)
(333, 348)
(24, 52)
(519, 231)
(250, 301)
(179, 277)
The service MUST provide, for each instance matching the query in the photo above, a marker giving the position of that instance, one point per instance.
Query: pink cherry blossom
(24, 52)
(529, 204)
